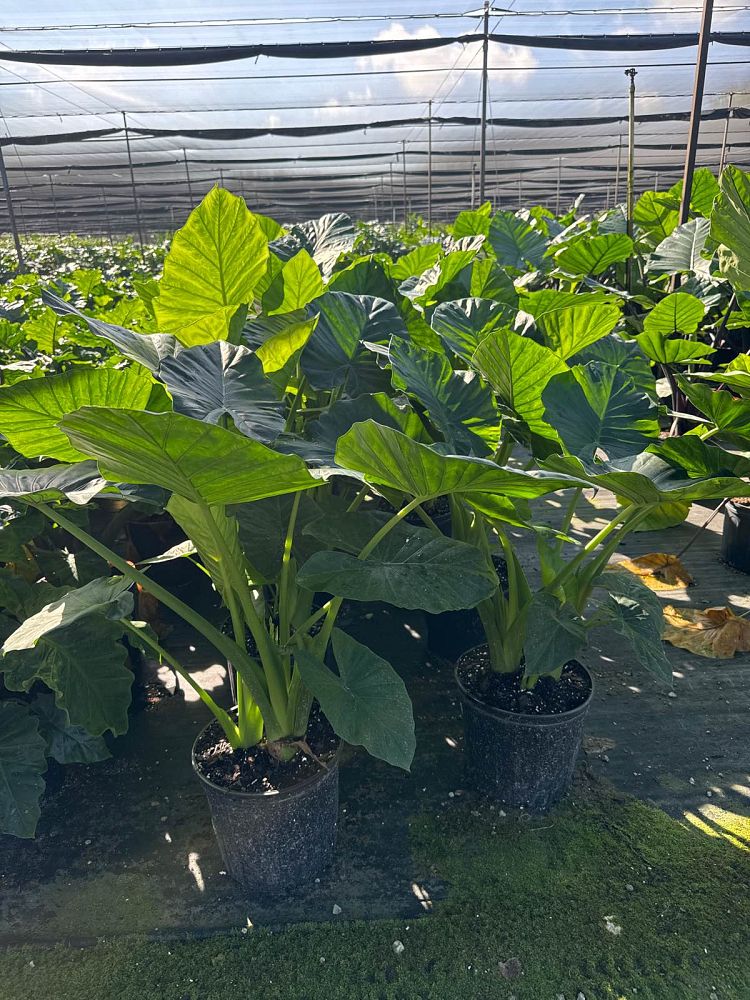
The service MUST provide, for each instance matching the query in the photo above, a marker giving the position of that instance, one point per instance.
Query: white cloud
(454, 82)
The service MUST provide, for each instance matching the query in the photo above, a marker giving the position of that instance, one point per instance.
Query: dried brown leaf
(658, 570)
(714, 632)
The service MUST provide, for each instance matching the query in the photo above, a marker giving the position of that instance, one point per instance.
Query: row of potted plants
(316, 443)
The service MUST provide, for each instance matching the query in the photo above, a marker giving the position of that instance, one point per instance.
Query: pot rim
(298, 788)
(742, 509)
(519, 718)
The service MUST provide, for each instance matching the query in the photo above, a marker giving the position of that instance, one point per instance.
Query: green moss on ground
(541, 890)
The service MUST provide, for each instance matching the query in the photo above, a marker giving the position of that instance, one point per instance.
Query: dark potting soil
(504, 691)
(257, 770)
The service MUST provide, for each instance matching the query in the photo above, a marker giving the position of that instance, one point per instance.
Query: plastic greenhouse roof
(307, 108)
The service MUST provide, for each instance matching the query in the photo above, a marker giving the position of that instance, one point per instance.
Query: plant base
(278, 842)
(520, 760)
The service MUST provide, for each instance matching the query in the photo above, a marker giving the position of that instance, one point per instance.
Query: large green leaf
(366, 703)
(700, 459)
(67, 743)
(554, 635)
(656, 215)
(490, 281)
(472, 222)
(729, 414)
(648, 479)
(22, 764)
(596, 407)
(212, 269)
(730, 226)
(518, 369)
(263, 527)
(669, 351)
(30, 410)
(464, 323)
(515, 242)
(636, 613)
(682, 250)
(735, 375)
(297, 283)
(335, 355)
(337, 419)
(569, 322)
(594, 254)
(215, 536)
(108, 596)
(79, 483)
(676, 313)
(410, 568)
(623, 354)
(201, 462)
(327, 238)
(449, 278)
(365, 276)
(43, 329)
(85, 665)
(458, 405)
(388, 458)
(215, 380)
(148, 350)
(417, 261)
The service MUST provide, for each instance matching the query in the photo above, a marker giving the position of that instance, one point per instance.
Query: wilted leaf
(717, 633)
(658, 570)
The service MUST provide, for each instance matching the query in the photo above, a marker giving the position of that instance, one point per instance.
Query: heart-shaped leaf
(22, 764)
(570, 322)
(463, 324)
(366, 702)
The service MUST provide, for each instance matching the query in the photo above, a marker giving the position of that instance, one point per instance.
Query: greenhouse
(375, 501)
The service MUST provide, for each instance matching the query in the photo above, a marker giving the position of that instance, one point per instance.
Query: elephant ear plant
(293, 669)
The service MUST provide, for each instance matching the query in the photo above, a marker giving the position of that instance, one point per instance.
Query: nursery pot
(275, 842)
(735, 541)
(520, 760)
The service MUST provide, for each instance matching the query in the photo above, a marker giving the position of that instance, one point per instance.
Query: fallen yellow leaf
(658, 570)
(714, 632)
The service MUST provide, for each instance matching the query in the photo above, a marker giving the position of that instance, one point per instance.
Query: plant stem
(230, 729)
(245, 664)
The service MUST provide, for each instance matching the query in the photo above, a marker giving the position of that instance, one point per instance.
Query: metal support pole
(631, 170)
(725, 140)
(187, 174)
(11, 211)
(704, 40)
(132, 180)
(221, 178)
(559, 180)
(106, 215)
(520, 191)
(608, 194)
(429, 165)
(393, 196)
(485, 86)
(631, 149)
(473, 185)
(406, 207)
(617, 170)
(54, 203)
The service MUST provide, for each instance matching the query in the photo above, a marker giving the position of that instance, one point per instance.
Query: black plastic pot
(521, 760)
(272, 843)
(735, 541)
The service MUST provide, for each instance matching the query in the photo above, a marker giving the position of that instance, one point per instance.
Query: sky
(524, 83)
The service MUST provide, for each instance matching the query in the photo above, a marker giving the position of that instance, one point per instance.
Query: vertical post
(559, 180)
(221, 177)
(485, 85)
(11, 211)
(520, 191)
(187, 174)
(393, 195)
(631, 170)
(54, 203)
(617, 170)
(724, 141)
(429, 166)
(704, 40)
(631, 149)
(132, 181)
(406, 207)
(473, 185)
(656, 181)
(106, 215)
(607, 202)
